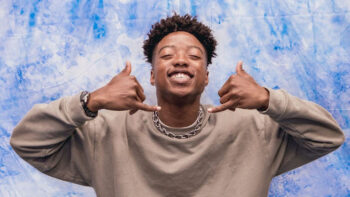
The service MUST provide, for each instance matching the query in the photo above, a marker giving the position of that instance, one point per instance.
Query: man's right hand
(123, 92)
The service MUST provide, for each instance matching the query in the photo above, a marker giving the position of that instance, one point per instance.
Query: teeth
(181, 75)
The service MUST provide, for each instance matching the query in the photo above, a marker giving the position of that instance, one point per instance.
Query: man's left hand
(242, 91)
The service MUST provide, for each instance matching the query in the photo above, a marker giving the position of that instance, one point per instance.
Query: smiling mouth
(180, 75)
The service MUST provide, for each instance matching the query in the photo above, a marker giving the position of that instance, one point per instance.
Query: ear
(152, 77)
(207, 79)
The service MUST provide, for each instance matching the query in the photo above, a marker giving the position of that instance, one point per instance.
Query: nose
(180, 60)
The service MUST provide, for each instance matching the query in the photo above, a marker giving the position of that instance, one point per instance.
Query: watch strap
(84, 98)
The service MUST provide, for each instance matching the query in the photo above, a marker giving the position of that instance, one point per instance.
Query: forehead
(180, 39)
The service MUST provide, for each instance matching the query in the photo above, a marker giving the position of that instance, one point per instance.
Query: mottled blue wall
(50, 49)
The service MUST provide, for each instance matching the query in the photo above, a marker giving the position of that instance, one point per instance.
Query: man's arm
(296, 131)
(306, 131)
(57, 138)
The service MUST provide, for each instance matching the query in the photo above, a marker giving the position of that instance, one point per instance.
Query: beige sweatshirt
(236, 153)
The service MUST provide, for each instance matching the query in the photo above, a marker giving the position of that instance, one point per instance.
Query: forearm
(297, 132)
(56, 138)
(47, 126)
(310, 124)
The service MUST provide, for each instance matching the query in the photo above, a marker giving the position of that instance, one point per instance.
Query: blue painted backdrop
(50, 49)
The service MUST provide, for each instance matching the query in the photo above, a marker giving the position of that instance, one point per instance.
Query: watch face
(85, 98)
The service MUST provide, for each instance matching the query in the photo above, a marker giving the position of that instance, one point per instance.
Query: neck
(176, 115)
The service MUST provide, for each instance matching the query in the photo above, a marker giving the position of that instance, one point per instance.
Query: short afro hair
(176, 23)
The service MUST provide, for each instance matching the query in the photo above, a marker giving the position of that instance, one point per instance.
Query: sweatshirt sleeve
(298, 131)
(57, 139)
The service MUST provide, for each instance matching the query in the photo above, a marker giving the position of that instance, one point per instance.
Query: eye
(195, 57)
(166, 56)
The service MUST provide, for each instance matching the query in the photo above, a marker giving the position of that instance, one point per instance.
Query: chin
(181, 96)
(181, 91)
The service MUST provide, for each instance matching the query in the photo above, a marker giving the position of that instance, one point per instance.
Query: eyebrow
(172, 46)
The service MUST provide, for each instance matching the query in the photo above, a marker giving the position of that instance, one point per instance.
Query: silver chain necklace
(163, 130)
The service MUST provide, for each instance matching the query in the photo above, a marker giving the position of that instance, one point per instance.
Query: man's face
(179, 66)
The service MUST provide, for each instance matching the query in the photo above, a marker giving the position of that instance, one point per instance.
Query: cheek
(159, 74)
(201, 68)
(204, 75)
(160, 68)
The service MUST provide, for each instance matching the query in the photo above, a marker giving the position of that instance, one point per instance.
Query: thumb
(127, 69)
(239, 68)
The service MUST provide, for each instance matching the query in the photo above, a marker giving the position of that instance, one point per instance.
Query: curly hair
(175, 23)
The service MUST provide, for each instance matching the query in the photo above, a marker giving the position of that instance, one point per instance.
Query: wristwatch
(84, 98)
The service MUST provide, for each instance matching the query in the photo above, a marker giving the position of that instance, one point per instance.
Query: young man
(112, 141)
